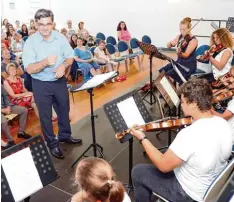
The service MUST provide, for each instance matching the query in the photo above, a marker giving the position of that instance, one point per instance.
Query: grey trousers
(23, 114)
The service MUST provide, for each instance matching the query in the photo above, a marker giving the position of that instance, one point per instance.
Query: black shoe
(24, 135)
(56, 152)
(71, 140)
(9, 144)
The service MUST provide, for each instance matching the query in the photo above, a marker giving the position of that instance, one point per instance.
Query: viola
(223, 96)
(213, 49)
(158, 126)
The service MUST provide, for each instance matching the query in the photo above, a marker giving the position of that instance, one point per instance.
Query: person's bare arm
(223, 61)
(10, 91)
(191, 47)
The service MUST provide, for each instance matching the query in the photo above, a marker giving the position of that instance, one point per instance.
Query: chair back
(201, 49)
(97, 41)
(25, 38)
(134, 46)
(101, 36)
(146, 39)
(92, 49)
(111, 40)
(213, 191)
(110, 48)
(122, 46)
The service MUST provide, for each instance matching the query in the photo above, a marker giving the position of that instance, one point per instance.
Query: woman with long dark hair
(123, 33)
(24, 30)
(73, 41)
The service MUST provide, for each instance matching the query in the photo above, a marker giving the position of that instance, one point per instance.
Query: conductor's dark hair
(43, 13)
(198, 91)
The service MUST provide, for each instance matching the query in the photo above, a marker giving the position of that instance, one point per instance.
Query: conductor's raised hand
(51, 60)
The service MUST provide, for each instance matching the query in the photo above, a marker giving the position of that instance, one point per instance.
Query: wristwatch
(142, 139)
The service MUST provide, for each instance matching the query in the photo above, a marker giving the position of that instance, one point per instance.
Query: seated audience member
(54, 27)
(89, 40)
(103, 57)
(13, 56)
(6, 60)
(96, 179)
(4, 40)
(31, 32)
(10, 32)
(18, 45)
(17, 25)
(32, 25)
(81, 30)
(194, 159)
(123, 33)
(70, 30)
(84, 59)
(4, 25)
(7, 108)
(73, 41)
(64, 32)
(18, 94)
(24, 30)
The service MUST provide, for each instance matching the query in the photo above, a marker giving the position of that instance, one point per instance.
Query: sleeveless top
(189, 62)
(125, 35)
(216, 72)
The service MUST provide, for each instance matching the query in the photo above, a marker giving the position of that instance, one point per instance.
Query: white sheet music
(97, 80)
(170, 91)
(130, 112)
(21, 174)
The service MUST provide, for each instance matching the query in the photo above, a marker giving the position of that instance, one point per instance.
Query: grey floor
(116, 153)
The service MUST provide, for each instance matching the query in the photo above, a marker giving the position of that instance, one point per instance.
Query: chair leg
(118, 66)
(139, 63)
(126, 65)
(142, 58)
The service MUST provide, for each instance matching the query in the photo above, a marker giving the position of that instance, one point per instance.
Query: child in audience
(96, 179)
(103, 57)
(73, 41)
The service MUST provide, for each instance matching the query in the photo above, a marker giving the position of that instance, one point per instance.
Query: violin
(183, 42)
(156, 126)
(215, 48)
(223, 96)
(219, 82)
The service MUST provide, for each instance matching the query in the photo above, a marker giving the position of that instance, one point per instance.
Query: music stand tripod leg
(94, 143)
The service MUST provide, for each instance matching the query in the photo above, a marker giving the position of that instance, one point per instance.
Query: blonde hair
(8, 67)
(187, 21)
(96, 177)
(225, 37)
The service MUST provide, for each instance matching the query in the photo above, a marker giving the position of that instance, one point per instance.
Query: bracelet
(142, 139)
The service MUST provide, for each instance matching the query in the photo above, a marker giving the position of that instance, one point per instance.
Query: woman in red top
(18, 94)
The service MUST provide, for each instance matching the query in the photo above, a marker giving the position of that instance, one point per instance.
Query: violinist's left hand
(137, 133)
(179, 52)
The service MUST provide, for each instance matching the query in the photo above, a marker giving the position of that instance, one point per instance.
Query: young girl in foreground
(95, 178)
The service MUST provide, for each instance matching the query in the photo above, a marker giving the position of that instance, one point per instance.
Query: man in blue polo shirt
(46, 55)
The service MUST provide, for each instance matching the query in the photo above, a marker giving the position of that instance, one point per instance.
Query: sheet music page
(130, 112)
(97, 80)
(170, 91)
(21, 174)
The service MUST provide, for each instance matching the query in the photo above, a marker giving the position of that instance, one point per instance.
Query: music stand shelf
(81, 87)
(118, 124)
(42, 161)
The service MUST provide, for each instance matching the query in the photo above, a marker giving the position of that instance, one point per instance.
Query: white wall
(157, 18)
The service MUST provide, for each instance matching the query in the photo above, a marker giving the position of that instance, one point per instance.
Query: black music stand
(42, 161)
(81, 87)
(118, 124)
(152, 51)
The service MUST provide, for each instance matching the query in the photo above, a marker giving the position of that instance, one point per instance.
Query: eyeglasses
(45, 25)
